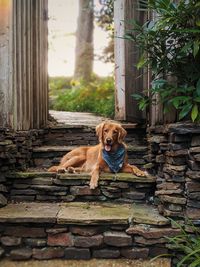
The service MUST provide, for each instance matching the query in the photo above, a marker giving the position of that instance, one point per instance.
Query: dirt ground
(91, 263)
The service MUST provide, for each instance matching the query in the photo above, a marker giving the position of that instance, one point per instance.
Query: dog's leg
(132, 169)
(94, 178)
(73, 162)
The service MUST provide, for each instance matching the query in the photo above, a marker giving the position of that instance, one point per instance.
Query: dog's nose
(108, 141)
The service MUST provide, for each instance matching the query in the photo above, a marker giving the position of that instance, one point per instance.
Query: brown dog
(108, 156)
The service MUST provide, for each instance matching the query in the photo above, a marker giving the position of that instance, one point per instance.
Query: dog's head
(110, 134)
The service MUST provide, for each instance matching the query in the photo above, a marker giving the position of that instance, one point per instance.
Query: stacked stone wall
(174, 151)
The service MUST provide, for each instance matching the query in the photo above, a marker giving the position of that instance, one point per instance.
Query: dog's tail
(53, 169)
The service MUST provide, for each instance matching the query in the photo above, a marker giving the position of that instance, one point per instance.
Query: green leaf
(137, 96)
(195, 48)
(198, 22)
(194, 112)
(141, 62)
(198, 87)
(185, 111)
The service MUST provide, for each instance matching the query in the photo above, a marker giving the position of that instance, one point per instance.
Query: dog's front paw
(93, 184)
(71, 170)
(140, 173)
(61, 170)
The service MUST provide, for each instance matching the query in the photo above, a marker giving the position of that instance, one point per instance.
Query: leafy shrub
(188, 246)
(96, 96)
(170, 44)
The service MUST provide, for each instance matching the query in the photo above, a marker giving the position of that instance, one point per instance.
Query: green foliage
(170, 45)
(104, 17)
(57, 83)
(187, 245)
(96, 96)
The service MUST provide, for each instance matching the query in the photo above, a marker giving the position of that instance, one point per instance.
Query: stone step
(45, 186)
(70, 135)
(81, 213)
(46, 156)
(82, 230)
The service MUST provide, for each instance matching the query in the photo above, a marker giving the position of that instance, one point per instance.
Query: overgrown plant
(97, 96)
(187, 245)
(170, 45)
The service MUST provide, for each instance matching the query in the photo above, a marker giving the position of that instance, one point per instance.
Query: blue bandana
(115, 159)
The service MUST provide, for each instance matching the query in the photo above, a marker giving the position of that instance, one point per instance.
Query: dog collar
(115, 159)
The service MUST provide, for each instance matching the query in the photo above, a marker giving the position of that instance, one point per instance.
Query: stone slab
(122, 177)
(29, 213)
(147, 214)
(92, 263)
(80, 213)
(93, 213)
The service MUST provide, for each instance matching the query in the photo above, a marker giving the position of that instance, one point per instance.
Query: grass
(96, 96)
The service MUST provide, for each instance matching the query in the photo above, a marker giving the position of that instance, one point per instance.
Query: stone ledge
(125, 177)
(80, 213)
(46, 149)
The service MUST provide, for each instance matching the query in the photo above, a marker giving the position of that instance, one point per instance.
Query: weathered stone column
(5, 63)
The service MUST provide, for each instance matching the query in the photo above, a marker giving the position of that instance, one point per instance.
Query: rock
(57, 230)
(193, 203)
(176, 168)
(3, 201)
(2, 251)
(177, 153)
(168, 192)
(121, 185)
(193, 213)
(152, 232)
(42, 181)
(23, 192)
(157, 251)
(23, 231)
(111, 195)
(77, 253)
(194, 196)
(173, 199)
(174, 138)
(195, 149)
(160, 159)
(106, 253)
(30, 213)
(117, 239)
(175, 207)
(193, 186)
(193, 174)
(86, 230)
(48, 253)
(83, 190)
(134, 195)
(144, 241)
(193, 165)
(35, 242)
(49, 188)
(135, 253)
(60, 239)
(176, 160)
(21, 254)
(197, 157)
(195, 140)
(3, 188)
(87, 242)
(10, 241)
(169, 186)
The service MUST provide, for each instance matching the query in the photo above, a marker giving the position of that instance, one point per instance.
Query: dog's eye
(106, 130)
(115, 132)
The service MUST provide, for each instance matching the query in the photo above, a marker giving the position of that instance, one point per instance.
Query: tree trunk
(84, 41)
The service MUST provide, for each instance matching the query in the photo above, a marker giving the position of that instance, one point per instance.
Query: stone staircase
(53, 216)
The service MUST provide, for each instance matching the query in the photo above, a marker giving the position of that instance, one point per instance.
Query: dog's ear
(99, 131)
(121, 135)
